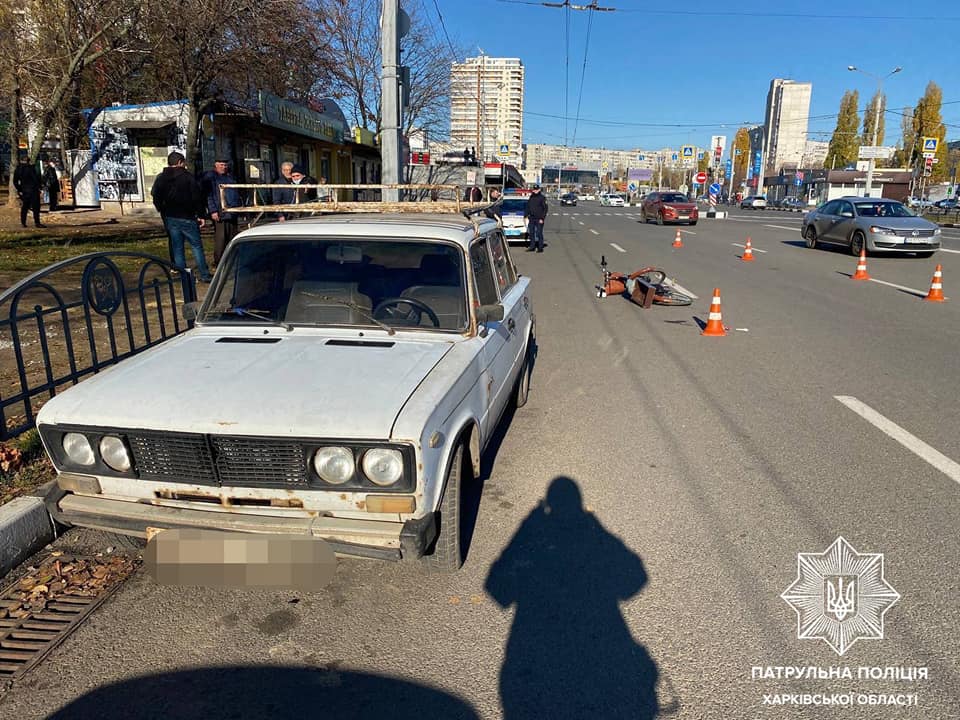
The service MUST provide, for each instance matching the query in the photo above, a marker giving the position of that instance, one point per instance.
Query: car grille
(173, 457)
(219, 460)
(919, 233)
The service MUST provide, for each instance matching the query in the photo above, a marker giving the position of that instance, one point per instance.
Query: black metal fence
(78, 316)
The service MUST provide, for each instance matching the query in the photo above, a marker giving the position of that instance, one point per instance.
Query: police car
(513, 209)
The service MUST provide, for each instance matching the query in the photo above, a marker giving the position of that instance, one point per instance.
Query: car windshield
(674, 198)
(341, 282)
(882, 209)
(513, 206)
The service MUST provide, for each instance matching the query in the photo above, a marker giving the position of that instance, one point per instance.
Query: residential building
(538, 156)
(785, 124)
(486, 107)
(814, 154)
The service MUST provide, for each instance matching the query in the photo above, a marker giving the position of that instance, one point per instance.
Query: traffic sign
(632, 187)
(930, 144)
(700, 155)
(728, 166)
(504, 149)
(687, 152)
(675, 157)
(605, 165)
(639, 158)
(701, 178)
(715, 189)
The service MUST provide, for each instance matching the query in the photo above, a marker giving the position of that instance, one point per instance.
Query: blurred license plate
(212, 558)
(513, 231)
(684, 217)
(917, 240)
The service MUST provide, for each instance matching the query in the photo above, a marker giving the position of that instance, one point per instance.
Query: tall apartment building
(788, 107)
(538, 156)
(486, 107)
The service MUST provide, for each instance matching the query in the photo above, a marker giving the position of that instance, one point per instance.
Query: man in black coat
(299, 177)
(27, 182)
(52, 182)
(536, 214)
(179, 199)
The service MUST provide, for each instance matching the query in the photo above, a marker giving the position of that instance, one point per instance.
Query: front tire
(811, 237)
(858, 243)
(447, 555)
(521, 390)
(659, 218)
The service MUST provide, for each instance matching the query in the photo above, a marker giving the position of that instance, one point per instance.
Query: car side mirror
(490, 313)
(189, 310)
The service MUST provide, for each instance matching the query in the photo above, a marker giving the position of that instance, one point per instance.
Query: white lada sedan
(343, 378)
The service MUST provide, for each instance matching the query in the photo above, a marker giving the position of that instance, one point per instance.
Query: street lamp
(876, 120)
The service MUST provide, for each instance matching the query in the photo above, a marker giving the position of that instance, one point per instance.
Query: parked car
(919, 203)
(947, 204)
(513, 210)
(792, 204)
(568, 199)
(874, 224)
(343, 378)
(754, 202)
(612, 200)
(669, 207)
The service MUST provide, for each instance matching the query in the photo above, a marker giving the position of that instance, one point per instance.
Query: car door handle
(511, 324)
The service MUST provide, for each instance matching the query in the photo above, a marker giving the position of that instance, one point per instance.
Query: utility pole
(876, 120)
(390, 93)
(479, 104)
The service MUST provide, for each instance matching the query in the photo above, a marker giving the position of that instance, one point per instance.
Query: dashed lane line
(781, 227)
(921, 293)
(914, 444)
(594, 231)
(617, 247)
(688, 232)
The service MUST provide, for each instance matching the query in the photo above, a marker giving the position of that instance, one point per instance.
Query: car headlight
(78, 449)
(114, 453)
(383, 466)
(881, 230)
(937, 231)
(334, 464)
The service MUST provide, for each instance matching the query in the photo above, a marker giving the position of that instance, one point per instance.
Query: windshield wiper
(237, 310)
(353, 306)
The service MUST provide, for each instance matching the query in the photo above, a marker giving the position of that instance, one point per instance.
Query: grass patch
(23, 256)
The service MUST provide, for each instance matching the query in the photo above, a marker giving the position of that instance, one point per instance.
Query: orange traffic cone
(677, 242)
(714, 326)
(748, 252)
(861, 273)
(936, 287)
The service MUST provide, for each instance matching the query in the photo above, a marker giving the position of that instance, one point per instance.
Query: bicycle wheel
(669, 296)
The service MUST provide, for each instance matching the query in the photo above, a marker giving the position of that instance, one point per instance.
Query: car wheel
(857, 243)
(521, 390)
(810, 235)
(659, 218)
(447, 555)
(925, 254)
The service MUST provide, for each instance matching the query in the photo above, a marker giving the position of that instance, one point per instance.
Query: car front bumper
(375, 539)
(880, 244)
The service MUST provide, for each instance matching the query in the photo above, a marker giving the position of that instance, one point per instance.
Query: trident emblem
(840, 599)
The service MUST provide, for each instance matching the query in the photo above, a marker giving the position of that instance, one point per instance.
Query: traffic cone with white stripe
(677, 241)
(748, 252)
(714, 326)
(936, 287)
(861, 273)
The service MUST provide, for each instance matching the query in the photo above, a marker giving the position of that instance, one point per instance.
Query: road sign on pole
(930, 144)
(701, 178)
(715, 189)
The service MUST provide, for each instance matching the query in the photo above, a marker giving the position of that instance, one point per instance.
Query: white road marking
(943, 249)
(688, 232)
(580, 221)
(594, 231)
(755, 249)
(921, 293)
(617, 247)
(914, 444)
(781, 227)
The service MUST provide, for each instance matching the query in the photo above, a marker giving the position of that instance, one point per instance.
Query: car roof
(422, 226)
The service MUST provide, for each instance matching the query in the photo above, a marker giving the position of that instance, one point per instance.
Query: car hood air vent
(361, 343)
(249, 340)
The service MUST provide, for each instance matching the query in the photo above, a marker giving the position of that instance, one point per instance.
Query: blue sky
(665, 64)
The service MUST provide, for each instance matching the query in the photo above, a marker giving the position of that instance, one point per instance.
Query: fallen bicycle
(645, 287)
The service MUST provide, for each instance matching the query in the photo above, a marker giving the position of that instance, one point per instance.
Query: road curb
(25, 527)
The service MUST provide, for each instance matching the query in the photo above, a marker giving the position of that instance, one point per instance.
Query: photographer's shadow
(570, 653)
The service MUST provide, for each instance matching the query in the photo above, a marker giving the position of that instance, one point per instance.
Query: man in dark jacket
(224, 222)
(177, 196)
(27, 182)
(52, 182)
(283, 196)
(495, 211)
(299, 177)
(536, 214)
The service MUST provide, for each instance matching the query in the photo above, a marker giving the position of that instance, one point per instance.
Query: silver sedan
(874, 224)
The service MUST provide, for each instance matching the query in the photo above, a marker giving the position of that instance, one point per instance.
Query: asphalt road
(704, 466)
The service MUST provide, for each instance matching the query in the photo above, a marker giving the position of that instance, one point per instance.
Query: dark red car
(669, 207)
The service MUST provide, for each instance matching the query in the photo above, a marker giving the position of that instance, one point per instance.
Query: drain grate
(39, 611)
